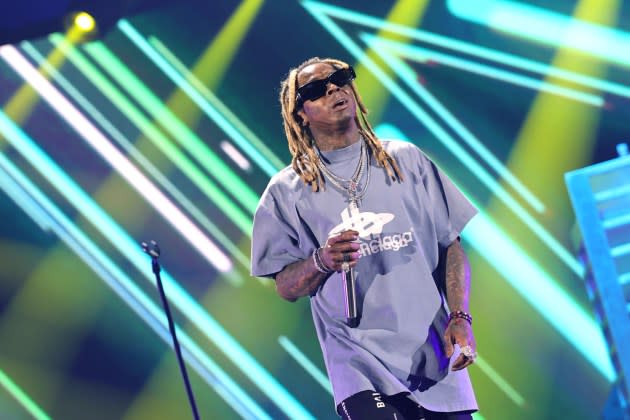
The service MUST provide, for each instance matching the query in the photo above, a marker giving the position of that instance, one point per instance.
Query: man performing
(350, 201)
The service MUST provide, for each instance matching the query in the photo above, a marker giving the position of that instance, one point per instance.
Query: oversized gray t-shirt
(397, 346)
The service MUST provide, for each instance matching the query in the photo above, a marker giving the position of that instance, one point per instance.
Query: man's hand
(339, 249)
(459, 331)
(302, 278)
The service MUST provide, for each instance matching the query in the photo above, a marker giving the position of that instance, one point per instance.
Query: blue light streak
(21, 189)
(405, 73)
(550, 28)
(129, 248)
(196, 97)
(319, 376)
(536, 286)
(216, 103)
(128, 146)
(423, 54)
(320, 12)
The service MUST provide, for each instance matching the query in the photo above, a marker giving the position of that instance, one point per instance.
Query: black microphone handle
(349, 291)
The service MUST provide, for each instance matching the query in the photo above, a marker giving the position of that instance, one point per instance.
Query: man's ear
(303, 118)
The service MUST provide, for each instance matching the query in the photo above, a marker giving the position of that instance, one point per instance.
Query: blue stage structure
(601, 199)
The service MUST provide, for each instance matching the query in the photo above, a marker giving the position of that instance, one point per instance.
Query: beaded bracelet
(319, 264)
(460, 314)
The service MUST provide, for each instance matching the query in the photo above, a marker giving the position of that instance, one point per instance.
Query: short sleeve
(275, 239)
(448, 206)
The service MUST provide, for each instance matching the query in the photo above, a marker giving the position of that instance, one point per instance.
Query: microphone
(349, 291)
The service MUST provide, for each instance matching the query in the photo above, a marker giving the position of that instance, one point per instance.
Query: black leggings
(371, 405)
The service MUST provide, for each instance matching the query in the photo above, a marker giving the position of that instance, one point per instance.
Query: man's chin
(345, 119)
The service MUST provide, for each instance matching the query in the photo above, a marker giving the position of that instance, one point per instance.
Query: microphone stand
(154, 252)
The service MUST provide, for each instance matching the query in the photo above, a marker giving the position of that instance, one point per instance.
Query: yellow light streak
(375, 96)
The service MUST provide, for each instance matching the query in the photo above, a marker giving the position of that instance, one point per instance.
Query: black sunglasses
(317, 88)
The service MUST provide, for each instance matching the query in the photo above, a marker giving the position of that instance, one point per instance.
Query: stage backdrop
(168, 128)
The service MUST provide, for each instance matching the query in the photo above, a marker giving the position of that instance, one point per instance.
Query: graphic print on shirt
(370, 227)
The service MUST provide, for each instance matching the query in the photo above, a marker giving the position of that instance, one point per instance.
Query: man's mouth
(340, 103)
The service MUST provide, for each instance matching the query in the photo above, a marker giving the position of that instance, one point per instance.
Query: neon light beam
(21, 189)
(125, 168)
(129, 147)
(550, 28)
(181, 299)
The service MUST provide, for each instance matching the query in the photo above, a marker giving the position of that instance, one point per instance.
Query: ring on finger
(345, 266)
(468, 352)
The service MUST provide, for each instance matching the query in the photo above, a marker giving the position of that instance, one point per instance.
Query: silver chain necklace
(339, 181)
(350, 186)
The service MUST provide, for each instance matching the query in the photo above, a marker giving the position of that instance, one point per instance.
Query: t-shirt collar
(343, 154)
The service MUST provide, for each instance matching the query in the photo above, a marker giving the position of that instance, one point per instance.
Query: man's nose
(331, 88)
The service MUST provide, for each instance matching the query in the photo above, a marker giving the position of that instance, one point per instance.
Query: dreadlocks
(301, 142)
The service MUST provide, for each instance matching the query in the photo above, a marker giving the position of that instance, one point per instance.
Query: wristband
(460, 314)
(319, 264)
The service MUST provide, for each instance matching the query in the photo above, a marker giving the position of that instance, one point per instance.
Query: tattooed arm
(459, 331)
(298, 279)
(457, 277)
(302, 278)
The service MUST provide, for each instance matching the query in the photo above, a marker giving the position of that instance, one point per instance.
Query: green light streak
(536, 286)
(521, 63)
(499, 381)
(544, 26)
(304, 361)
(213, 164)
(196, 97)
(406, 73)
(22, 397)
(179, 297)
(322, 13)
(496, 56)
(422, 54)
(441, 134)
(472, 49)
(222, 113)
(140, 158)
(541, 291)
(21, 189)
(25, 203)
(180, 160)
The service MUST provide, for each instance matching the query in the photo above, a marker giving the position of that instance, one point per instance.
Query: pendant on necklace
(352, 188)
